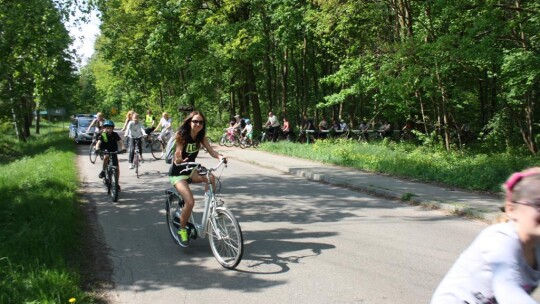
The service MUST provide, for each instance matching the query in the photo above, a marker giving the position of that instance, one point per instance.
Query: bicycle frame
(210, 201)
(112, 170)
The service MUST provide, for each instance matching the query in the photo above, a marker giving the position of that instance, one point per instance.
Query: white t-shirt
(165, 123)
(135, 129)
(492, 270)
(273, 121)
(248, 129)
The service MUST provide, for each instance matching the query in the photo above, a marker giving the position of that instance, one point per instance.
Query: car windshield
(84, 123)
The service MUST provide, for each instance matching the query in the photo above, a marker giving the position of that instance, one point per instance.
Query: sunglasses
(535, 205)
(197, 122)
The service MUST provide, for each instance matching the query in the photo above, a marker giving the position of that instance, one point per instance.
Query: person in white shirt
(135, 129)
(166, 126)
(343, 125)
(273, 126)
(502, 264)
(248, 130)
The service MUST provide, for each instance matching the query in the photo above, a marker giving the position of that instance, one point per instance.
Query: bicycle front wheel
(157, 149)
(92, 152)
(225, 237)
(136, 162)
(114, 186)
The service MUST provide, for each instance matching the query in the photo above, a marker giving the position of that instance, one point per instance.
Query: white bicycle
(136, 154)
(217, 222)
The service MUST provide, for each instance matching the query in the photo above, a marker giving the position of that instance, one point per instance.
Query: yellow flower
(72, 300)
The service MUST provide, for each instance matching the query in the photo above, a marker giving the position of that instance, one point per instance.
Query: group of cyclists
(243, 129)
(500, 266)
(189, 138)
(107, 140)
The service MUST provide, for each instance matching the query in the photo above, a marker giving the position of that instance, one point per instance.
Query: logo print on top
(191, 148)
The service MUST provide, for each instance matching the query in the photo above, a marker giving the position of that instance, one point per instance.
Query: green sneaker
(183, 237)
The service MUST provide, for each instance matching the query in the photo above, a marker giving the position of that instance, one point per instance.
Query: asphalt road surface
(305, 242)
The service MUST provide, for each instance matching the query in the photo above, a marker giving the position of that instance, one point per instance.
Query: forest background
(444, 65)
(440, 64)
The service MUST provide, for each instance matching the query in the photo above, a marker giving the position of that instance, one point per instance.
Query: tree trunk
(17, 126)
(254, 97)
(284, 82)
(38, 119)
(305, 79)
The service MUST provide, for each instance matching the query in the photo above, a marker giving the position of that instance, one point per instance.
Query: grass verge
(465, 170)
(40, 221)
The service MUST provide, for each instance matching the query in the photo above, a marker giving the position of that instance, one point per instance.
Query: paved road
(305, 242)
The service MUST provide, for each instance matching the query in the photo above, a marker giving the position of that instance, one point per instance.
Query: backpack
(170, 149)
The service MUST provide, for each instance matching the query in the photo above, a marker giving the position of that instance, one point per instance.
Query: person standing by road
(273, 125)
(191, 135)
(286, 128)
(502, 264)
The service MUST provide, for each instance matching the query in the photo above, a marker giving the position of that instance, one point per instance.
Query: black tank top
(190, 149)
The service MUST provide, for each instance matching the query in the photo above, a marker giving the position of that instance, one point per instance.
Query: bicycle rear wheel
(92, 152)
(114, 185)
(157, 149)
(225, 237)
(222, 140)
(172, 215)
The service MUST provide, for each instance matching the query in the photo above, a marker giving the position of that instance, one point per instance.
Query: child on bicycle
(109, 140)
(230, 130)
(191, 135)
(247, 132)
(502, 264)
(135, 130)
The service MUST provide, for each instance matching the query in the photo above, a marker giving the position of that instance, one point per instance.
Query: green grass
(466, 170)
(39, 221)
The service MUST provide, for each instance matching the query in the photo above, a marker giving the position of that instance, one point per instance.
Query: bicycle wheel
(113, 185)
(136, 161)
(107, 181)
(157, 149)
(92, 152)
(172, 215)
(225, 237)
(222, 140)
(228, 142)
(236, 141)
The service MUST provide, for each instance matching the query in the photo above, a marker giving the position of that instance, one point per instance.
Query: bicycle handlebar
(198, 165)
(115, 152)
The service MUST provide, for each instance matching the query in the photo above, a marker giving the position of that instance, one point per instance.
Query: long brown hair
(184, 130)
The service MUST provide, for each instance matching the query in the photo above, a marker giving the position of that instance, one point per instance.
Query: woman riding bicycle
(97, 124)
(166, 127)
(190, 136)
